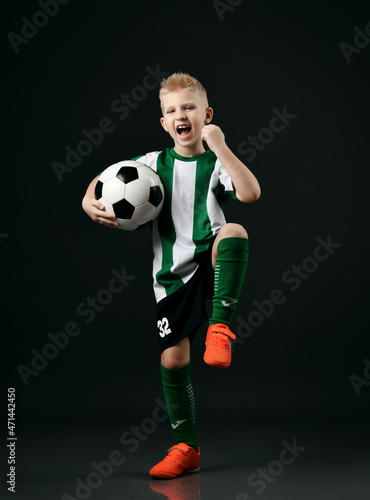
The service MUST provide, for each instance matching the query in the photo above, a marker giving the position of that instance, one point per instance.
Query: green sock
(231, 266)
(179, 396)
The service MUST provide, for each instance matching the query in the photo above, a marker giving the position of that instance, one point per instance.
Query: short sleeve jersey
(192, 214)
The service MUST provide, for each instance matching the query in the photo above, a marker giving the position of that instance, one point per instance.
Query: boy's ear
(209, 115)
(163, 124)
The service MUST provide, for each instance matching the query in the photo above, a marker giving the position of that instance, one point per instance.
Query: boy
(196, 254)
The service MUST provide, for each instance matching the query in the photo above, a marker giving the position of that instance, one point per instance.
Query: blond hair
(182, 81)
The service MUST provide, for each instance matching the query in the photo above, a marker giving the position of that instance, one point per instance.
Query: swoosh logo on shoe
(178, 423)
(228, 304)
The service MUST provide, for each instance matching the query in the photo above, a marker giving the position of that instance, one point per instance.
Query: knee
(232, 230)
(171, 364)
(177, 355)
(171, 361)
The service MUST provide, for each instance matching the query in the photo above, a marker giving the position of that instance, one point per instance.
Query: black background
(314, 179)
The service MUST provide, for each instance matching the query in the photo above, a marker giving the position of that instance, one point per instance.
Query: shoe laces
(222, 336)
(221, 340)
(174, 454)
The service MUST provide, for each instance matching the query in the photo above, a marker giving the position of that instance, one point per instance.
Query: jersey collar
(187, 158)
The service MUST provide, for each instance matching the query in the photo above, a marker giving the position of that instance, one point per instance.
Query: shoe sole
(215, 364)
(173, 477)
(190, 471)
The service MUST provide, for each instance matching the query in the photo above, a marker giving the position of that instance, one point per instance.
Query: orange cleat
(218, 342)
(181, 459)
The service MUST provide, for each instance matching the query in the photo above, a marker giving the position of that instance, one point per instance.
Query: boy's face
(184, 115)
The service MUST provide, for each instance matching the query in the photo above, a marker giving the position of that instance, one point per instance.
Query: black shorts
(180, 314)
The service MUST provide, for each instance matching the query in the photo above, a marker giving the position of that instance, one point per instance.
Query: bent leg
(230, 260)
(229, 230)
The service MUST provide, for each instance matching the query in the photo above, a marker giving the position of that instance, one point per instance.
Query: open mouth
(183, 131)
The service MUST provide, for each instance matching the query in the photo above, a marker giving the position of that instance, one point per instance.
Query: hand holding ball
(132, 191)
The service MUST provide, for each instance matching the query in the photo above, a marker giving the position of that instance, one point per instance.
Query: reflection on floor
(240, 461)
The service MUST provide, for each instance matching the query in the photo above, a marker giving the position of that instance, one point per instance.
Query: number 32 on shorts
(164, 327)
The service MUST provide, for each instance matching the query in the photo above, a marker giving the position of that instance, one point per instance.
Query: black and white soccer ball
(132, 191)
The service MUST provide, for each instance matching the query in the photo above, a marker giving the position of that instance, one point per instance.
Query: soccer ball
(132, 191)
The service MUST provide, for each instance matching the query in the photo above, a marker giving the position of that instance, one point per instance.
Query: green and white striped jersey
(191, 215)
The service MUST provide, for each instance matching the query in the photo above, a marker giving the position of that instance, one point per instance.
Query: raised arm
(246, 186)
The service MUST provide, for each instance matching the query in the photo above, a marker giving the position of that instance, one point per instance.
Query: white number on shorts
(164, 328)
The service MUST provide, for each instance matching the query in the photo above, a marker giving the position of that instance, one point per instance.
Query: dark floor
(240, 461)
